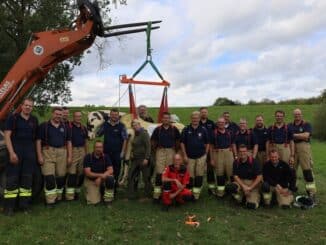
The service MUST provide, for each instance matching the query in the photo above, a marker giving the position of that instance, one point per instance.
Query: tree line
(223, 101)
(20, 18)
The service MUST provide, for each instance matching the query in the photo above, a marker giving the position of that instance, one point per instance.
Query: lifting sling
(163, 82)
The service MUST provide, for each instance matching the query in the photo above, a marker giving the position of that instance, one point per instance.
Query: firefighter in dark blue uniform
(302, 131)
(210, 126)
(20, 135)
(75, 171)
(245, 137)
(165, 142)
(115, 141)
(222, 155)
(54, 152)
(261, 134)
(232, 126)
(195, 146)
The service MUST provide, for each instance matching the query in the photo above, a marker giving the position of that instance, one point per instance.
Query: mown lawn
(136, 222)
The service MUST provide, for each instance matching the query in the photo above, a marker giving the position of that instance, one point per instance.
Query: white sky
(248, 49)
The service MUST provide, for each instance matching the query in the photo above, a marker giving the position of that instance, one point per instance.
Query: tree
(267, 102)
(19, 19)
(225, 101)
(252, 102)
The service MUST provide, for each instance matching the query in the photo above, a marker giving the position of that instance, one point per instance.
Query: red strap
(164, 105)
(132, 105)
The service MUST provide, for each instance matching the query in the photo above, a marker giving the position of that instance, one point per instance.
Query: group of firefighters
(245, 163)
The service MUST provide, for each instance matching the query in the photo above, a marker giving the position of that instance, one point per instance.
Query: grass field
(136, 222)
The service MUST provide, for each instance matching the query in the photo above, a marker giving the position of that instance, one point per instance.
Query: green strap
(149, 55)
(140, 69)
(156, 69)
(148, 34)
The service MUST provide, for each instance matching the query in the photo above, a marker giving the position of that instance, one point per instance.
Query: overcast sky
(248, 49)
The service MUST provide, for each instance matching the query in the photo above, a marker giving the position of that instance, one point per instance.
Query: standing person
(75, 171)
(232, 126)
(245, 136)
(210, 126)
(175, 179)
(277, 180)
(247, 179)
(65, 115)
(165, 142)
(143, 114)
(195, 146)
(20, 136)
(99, 178)
(222, 155)
(54, 153)
(261, 134)
(139, 162)
(115, 141)
(280, 136)
(302, 131)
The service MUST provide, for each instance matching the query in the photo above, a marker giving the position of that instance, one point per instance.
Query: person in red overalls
(175, 178)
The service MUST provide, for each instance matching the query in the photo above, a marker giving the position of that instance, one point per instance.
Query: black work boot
(8, 212)
(165, 208)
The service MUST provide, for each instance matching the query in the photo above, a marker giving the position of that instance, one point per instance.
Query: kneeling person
(277, 179)
(175, 178)
(247, 176)
(99, 181)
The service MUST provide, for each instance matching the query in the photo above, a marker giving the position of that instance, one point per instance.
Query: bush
(319, 122)
(222, 101)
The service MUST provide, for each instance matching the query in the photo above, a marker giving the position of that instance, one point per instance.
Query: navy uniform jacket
(233, 127)
(281, 135)
(209, 125)
(261, 135)
(78, 135)
(278, 174)
(195, 141)
(52, 136)
(247, 138)
(97, 165)
(302, 127)
(22, 131)
(222, 140)
(114, 136)
(166, 138)
(246, 170)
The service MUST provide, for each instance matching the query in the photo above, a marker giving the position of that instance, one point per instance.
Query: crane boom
(47, 49)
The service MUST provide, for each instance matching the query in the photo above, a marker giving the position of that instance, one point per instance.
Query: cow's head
(95, 120)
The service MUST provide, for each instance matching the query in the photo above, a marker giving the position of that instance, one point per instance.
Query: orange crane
(46, 49)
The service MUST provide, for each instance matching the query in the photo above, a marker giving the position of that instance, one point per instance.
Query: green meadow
(141, 222)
